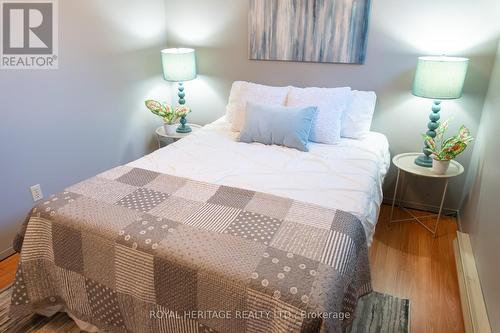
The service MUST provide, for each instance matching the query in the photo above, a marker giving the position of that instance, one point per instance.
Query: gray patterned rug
(376, 313)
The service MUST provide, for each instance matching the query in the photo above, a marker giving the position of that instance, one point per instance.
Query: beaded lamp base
(424, 161)
(183, 128)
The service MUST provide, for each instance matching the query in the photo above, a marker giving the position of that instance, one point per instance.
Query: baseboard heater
(471, 295)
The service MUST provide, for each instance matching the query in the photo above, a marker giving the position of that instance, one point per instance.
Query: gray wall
(59, 127)
(399, 32)
(480, 211)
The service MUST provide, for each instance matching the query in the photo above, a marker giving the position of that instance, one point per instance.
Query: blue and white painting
(332, 31)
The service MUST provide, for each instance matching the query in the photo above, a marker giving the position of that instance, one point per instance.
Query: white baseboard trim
(471, 295)
(7, 252)
(459, 221)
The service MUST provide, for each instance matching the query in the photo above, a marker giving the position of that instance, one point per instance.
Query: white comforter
(346, 176)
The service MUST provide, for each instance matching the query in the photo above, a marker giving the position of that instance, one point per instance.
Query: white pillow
(244, 92)
(331, 103)
(357, 121)
(233, 99)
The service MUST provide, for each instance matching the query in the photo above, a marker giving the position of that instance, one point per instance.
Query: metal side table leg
(158, 140)
(394, 197)
(440, 208)
(403, 189)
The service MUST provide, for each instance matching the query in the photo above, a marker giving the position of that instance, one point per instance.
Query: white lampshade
(440, 77)
(178, 64)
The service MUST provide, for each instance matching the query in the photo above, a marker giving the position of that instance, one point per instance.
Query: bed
(346, 176)
(209, 235)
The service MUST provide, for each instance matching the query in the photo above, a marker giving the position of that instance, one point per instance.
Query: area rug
(381, 313)
(376, 313)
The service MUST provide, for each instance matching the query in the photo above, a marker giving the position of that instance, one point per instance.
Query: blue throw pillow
(277, 125)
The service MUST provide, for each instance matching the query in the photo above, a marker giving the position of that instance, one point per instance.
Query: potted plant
(444, 150)
(166, 112)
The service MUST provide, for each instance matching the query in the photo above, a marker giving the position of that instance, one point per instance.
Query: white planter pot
(440, 167)
(170, 129)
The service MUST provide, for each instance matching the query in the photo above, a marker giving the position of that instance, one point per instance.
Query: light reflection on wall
(154, 88)
(447, 27)
(204, 25)
(141, 21)
(199, 92)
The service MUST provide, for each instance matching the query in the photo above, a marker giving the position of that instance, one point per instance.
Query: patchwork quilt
(132, 250)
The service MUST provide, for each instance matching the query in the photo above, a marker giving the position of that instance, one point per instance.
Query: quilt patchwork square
(100, 217)
(19, 291)
(176, 209)
(219, 294)
(143, 200)
(213, 217)
(269, 205)
(67, 246)
(338, 250)
(40, 281)
(177, 324)
(104, 304)
(301, 239)
(38, 240)
(115, 173)
(283, 317)
(197, 191)
(135, 273)
(140, 318)
(166, 184)
(49, 208)
(323, 295)
(309, 214)
(256, 227)
(175, 285)
(73, 291)
(103, 189)
(232, 197)
(99, 252)
(138, 177)
(285, 276)
(137, 316)
(348, 224)
(205, 329)
(214, 252)
(146, 233)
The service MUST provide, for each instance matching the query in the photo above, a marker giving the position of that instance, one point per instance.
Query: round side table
(160, 134)
(406, 164)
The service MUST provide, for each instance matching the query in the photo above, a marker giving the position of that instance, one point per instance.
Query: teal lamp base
(425, 160)
(183, 128)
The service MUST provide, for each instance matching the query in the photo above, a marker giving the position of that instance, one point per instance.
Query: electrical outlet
(36, 192)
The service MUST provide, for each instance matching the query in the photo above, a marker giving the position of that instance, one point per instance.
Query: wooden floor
(406, 261)
(8, 270)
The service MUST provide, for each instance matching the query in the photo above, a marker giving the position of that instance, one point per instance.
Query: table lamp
(179, 65)
(439, 78)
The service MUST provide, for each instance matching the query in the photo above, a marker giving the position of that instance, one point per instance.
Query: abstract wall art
(332, 31)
